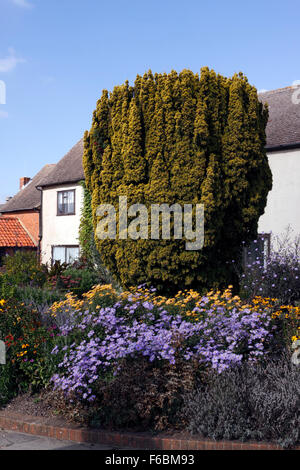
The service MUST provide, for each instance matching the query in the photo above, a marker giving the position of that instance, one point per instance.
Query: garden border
(39, 426)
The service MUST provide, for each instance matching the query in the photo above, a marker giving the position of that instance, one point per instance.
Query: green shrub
(25, 280)
(23, 268)
(7, 287)
(80, 281)
(88, 248)
(57, 268)
(37, 296)
(77, 278)
(180, 138)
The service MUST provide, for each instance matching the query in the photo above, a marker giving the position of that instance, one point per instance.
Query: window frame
(57, 202)
(65, 247)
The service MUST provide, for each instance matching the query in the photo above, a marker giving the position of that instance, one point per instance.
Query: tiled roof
(14, 234)
(68, 170)
(283, 129)
(29, 197)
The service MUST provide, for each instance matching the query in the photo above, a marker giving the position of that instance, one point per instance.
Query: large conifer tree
(180, 138)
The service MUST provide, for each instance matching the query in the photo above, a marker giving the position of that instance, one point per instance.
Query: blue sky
(56, 56)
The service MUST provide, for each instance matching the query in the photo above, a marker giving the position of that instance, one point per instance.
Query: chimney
(23, 181)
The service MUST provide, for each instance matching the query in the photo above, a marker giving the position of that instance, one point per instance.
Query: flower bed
(135, 359)
(217, 333)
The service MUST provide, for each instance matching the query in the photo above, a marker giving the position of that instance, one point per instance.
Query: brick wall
(41, 427)
(30, 220)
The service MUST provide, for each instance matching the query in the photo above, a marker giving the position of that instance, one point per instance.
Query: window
(65, 254)
(66, 202)
(258, 250)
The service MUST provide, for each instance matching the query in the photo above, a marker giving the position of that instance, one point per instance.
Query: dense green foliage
(24, 268)
(21, 272)
(95, 270)
(180, 138)
(79, 279)
(86, 229)
(25, 280)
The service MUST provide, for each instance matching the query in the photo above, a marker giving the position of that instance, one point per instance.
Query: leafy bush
(78, 277)
(38, 297)
(180, 138)
(21, 273)
(23, 268)
(7, 287)
(88, 248)
(56, 269)
(25, 280)
(144, 395)
(252, 401)
(81, 280)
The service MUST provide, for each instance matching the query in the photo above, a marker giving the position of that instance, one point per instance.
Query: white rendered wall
(63, 229)
(283, 205)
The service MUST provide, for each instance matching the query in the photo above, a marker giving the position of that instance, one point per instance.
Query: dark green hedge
(180, 138)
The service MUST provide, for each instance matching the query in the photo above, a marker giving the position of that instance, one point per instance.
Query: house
(22, 231)
(62, 197)
(283, 150)
(14, 236)
(62, 193)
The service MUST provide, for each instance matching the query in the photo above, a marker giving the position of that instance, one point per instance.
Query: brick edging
(40, 427)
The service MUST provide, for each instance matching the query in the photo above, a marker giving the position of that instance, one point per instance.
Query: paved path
(10, 440)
